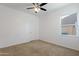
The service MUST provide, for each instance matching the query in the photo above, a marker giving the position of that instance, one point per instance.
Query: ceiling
(23, 6)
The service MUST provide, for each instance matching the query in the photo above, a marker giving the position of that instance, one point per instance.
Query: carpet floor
(37, 48)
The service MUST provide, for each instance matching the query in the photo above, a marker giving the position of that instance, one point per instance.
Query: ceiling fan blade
(43, 9)
(33, 3)
(37, 3)
(43, 4)
(30, 8)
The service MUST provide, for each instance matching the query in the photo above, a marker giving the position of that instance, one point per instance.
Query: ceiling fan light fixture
(36, 9)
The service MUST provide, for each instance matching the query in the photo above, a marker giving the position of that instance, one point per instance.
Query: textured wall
(17, 27)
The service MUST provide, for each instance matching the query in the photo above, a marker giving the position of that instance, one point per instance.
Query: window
(68, 24)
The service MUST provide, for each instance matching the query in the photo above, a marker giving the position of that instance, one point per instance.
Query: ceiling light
(36, 9)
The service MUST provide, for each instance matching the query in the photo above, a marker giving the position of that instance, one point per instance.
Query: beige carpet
(37, 48)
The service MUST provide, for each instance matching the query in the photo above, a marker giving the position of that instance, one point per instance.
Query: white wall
(50, 28)
(17, 27)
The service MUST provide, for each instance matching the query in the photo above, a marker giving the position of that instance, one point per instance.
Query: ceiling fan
(37, 7)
